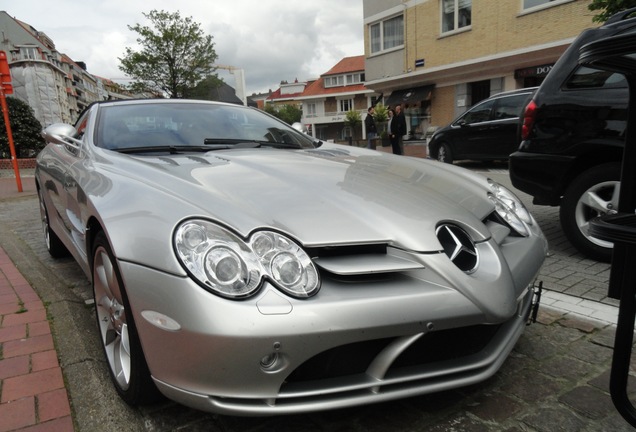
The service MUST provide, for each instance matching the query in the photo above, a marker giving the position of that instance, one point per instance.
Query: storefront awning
(409, 96)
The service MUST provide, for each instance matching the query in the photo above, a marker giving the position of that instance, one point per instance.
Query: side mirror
(61, 133)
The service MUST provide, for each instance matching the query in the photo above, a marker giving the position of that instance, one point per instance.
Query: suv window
(480, 113)
(585, 77)
(510, 107)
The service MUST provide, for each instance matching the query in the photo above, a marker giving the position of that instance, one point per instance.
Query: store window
(456, 14)
(387, 34)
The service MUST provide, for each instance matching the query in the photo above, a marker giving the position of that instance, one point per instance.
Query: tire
(53, 243)
(593, 193)
(444, 154)
(126, 363)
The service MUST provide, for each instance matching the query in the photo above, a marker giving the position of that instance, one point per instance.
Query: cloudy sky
(271, 40)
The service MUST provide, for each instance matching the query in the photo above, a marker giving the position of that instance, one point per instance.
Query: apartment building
(439, 57)
(55, 86)
(326, 100)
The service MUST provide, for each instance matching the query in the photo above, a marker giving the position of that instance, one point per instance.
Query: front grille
(355, 358)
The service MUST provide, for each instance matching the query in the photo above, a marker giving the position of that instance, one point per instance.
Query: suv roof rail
(620, 16)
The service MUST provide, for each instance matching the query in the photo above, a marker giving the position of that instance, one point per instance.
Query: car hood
(334, 195)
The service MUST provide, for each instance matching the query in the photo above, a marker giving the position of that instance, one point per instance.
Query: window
(456, 14)
(354, 79)
(387, 34)
(478, 114)
(334, 81)
(531, 4)
(510, 107)
(585, 77)
(29, 53)
(346, 105)
(311, 110)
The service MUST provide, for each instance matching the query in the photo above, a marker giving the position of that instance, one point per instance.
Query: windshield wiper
(163, 149)
(239, 143)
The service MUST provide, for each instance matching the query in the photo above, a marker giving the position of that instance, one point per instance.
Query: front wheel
(444, 154)
(593, 193)
(126, 363)
(53, 243)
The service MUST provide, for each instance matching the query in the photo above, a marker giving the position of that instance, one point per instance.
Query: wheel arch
(592, 158)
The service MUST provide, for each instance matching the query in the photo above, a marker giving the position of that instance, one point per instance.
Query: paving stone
(589, 402)
(555, 419)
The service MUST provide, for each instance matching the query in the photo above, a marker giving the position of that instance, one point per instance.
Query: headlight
(510, 208)
(227, 265)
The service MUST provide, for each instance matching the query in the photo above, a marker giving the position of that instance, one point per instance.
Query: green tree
(288, 113)
(609, 8)
(205, 89)
(381, 113)
(175, 55)
(25, 129)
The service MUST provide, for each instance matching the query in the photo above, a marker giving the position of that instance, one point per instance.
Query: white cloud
(271, 40)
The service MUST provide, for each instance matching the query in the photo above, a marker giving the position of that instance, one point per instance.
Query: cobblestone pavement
(556, 379)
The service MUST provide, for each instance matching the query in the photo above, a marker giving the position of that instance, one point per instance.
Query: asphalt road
(556, 379)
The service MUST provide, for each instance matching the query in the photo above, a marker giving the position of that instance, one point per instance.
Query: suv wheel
(444, 154)
(593, 193)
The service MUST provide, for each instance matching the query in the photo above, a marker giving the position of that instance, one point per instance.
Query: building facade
(326, 101)
(55, 87)
(439, 57)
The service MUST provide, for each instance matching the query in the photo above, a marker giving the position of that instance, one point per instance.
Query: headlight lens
(227, 265)
(510, 208)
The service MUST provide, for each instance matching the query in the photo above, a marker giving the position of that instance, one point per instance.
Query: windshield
(200, 126)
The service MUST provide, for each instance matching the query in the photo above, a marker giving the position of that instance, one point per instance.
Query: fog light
(269, 361)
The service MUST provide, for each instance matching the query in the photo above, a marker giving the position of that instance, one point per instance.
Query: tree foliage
(175, 55)
(25, 129)
(609, 8)
(381, 113)
(205, 89)
(353, 119)
(288, 113)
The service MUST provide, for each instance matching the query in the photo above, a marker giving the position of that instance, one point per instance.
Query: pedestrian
(372, 131)
(399, 128)
(393, 137)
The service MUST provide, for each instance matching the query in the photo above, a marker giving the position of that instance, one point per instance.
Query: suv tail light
(529, 116)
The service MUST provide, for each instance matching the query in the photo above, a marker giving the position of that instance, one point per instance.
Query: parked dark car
(487, 131)
(572, 139)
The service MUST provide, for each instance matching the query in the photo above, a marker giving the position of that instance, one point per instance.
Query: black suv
(487, 131)
(572, 139)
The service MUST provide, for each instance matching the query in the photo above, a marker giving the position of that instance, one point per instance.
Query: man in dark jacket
(398, 130)
(372, 131)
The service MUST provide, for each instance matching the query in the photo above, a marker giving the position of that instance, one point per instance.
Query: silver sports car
(241, 267)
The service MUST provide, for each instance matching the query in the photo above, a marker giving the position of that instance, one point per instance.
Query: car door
(471, 130)
(60, 180)
(502, 133)
(74, 195)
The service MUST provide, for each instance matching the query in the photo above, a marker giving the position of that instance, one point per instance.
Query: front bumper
(379, 383)
(349, 345)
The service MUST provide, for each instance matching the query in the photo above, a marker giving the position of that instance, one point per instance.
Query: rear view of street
(556, 378)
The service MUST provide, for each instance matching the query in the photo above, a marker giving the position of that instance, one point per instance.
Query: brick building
(439, 57)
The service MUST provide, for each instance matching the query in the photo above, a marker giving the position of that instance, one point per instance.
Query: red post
(5, 88)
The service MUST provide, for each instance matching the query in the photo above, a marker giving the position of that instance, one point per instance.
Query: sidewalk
(32, 392)
(33, 396)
